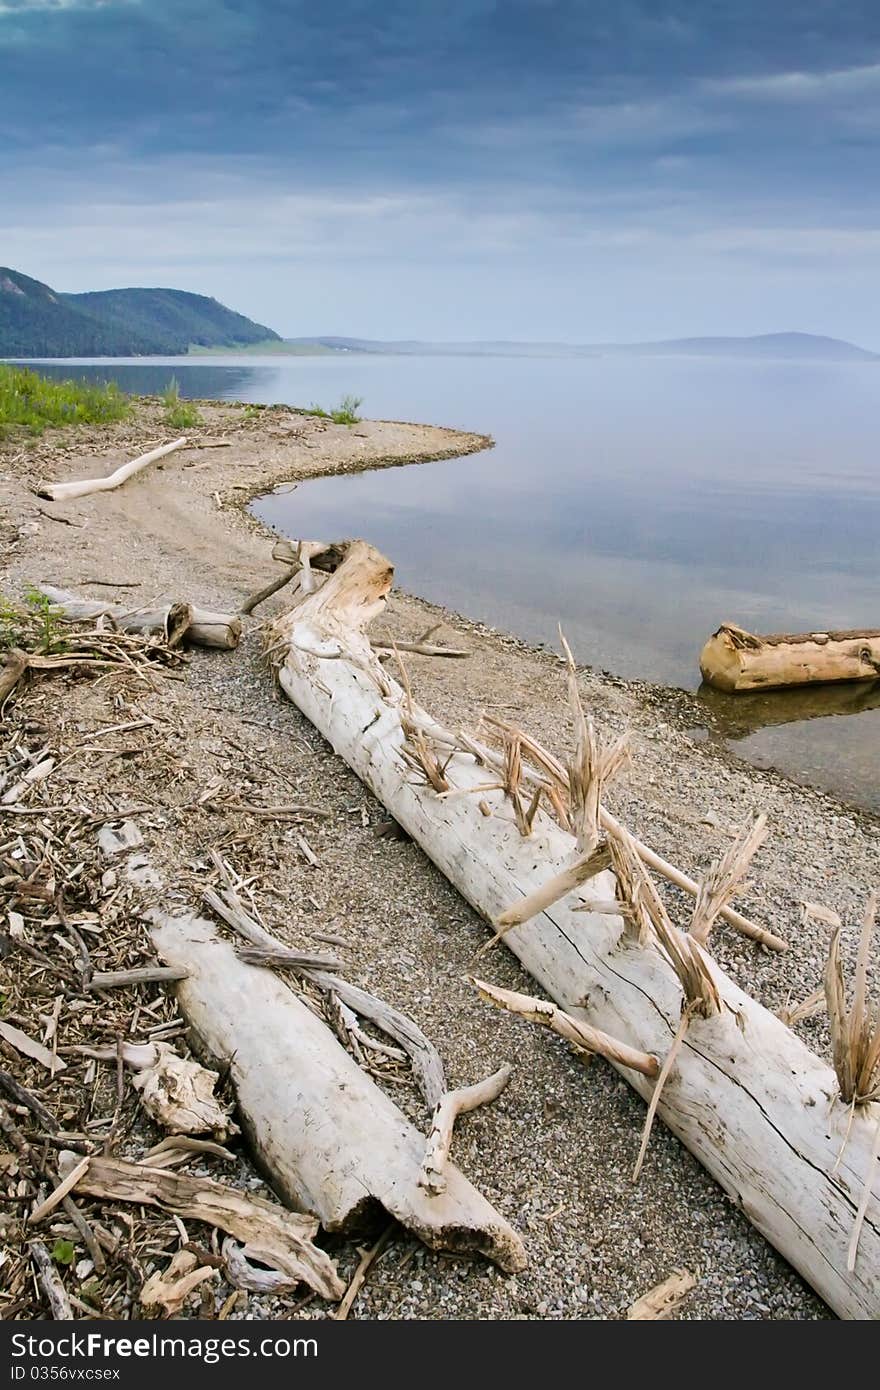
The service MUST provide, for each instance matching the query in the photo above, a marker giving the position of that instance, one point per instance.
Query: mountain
(778, 346)
(38, 321)
(35, 321)
(173, 319)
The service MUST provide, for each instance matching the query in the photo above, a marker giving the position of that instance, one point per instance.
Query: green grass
(31, 625)
(32, 402)
(344, 414)
(180, 414)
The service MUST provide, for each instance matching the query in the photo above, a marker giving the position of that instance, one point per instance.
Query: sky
(553, 170)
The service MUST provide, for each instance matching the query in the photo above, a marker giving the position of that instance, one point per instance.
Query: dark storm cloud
(303, 80)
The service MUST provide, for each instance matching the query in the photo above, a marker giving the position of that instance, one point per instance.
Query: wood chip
(661, 1301)
(29, 1047)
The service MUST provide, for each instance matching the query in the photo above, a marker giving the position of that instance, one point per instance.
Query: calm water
(638, 502)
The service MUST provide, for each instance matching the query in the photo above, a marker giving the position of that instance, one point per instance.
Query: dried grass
(855, 1029)
(724, 878)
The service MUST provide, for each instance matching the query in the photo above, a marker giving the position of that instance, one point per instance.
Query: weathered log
(268, 950)
(734, 659)
(65, 492)
(332, 1141)
(754, 1105)
(210, 629)
(177, 622)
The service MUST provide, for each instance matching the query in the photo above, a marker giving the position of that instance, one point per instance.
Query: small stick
(22, 1096)
(420, 649)
(668, 1061)
(67, 1185)
(62, 520)
(580, 1035)
(550, 892)
(367, 1259)
(863, 1204)
(269, 589)
(63, 492)
(433, 1175)
(90, 1240)
(144, 974)
(113, 583)
(50, 1283)
(285, 958)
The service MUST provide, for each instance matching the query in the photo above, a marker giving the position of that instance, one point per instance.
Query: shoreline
(554, 1153)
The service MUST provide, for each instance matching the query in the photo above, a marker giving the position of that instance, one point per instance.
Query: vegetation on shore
(180, 414)
(31, 626)
(345, 413)
(32, 402)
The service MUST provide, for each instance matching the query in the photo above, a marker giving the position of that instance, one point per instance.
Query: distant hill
(35, 321)
(173, 319)
(38, 321)
(774, 345)
(781, 346)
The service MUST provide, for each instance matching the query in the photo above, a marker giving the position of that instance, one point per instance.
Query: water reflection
(739, 716)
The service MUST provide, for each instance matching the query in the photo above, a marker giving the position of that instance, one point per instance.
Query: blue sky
(581, 170)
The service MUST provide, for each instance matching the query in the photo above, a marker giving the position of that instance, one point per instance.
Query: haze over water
(639, 502)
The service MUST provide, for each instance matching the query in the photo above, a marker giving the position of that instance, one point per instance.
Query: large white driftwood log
(180, 622)
(83, 487)
(332, 1142)
(754, 1105)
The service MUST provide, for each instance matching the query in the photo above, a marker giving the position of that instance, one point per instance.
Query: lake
(639, 502)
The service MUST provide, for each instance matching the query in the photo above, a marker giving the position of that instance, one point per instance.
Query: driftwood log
(751, 1102)
(178, 622)
(66, 492)
(332, 1142)
(734, 659)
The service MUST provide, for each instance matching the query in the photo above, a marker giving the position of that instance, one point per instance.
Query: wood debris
(170, 1288)
(284, 1235)
(662, 1301)
(179, 1095)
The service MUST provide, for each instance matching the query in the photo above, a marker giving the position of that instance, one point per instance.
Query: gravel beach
(555, 1152)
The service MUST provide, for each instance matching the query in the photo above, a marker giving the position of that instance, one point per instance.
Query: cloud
(546, 142)
(25, 7)
(798, 87)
